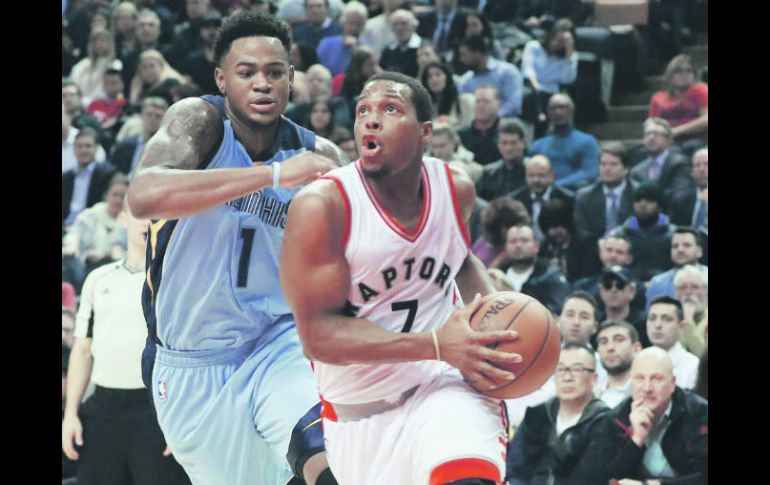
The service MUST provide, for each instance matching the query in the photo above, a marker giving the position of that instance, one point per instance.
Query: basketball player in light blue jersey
(236, 399)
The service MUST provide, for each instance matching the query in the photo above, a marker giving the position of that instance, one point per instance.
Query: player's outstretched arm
(315, 277)
(169, 183)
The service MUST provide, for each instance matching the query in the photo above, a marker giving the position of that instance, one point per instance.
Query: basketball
(538, 343)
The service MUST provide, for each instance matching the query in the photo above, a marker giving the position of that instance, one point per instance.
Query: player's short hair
(633, 334)
(245, 23)
(418, 94)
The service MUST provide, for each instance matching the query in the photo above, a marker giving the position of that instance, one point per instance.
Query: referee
(115, 435)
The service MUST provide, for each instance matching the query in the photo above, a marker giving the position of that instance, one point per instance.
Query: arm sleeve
(512, 93)
(86, 308)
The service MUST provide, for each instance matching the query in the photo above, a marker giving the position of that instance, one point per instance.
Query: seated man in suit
(649, 231)
(126, 154)
(539, 189)
(84, 185)
(444, 26)
(604, 205)
(691, 207)
(670, 169)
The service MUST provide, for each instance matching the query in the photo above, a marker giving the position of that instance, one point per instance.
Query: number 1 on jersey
(247, 233)
(410, 305)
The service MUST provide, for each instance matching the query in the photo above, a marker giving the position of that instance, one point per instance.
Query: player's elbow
(143, 200)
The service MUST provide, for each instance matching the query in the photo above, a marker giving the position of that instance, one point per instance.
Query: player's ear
(427, 130)
(219, 78)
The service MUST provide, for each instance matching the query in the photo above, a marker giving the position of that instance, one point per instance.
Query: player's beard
(376, 173)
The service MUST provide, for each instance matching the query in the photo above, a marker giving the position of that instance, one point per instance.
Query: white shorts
(446, 431)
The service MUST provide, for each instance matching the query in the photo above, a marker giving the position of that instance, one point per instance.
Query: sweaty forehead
(387, 89)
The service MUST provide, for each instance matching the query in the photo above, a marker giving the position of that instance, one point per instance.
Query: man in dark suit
(690, 208)
(670, 169)
(445, 26)
(125, 155)
(317, 26)
(539, 189)
(84, 186)
(606, 204)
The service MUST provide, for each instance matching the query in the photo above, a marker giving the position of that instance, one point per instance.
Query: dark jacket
(497, 180)
(483, 144)
(674, 177)
(590, 210)
(683, 207)
(429, 24)
(652, 248)
(103, 172)
(546, 284)
(537, 455)
(685, 443)
(123, 153)
(524, 195)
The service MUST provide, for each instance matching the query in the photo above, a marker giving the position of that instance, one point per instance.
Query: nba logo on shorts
(162, 392)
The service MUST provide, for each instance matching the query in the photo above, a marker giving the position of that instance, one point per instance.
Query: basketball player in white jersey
(374, 265)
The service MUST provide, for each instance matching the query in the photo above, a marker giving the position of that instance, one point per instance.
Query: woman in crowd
(154, 77)
(451, 106)
(496, 218)
(362, 66)
(320, 119)
(88, 73)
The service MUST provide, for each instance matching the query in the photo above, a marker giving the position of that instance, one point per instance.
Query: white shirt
(685, 366)
(618, 191)
(377, 34)
(518, 279)
(612, 396)
(111, 315)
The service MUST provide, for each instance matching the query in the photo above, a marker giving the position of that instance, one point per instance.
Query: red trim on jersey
(347, 207)
(327, 410)
(454, 470)
(456, 203)
(410, 235)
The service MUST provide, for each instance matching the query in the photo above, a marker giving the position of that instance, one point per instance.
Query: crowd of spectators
(596, 229)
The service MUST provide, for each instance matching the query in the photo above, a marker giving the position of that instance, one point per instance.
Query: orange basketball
(538, 343)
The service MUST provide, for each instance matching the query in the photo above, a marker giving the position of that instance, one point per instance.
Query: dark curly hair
(245, 23)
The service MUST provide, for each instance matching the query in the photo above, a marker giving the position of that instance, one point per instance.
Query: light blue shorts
(228, 414)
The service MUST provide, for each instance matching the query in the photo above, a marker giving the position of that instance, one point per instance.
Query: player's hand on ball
(304, 168)
(467, 350)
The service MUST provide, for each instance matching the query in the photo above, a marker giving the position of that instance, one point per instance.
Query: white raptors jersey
(402, 280)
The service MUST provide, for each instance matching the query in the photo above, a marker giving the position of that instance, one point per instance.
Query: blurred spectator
(318, 24)
(109, 108)
(319, 81)
(445, 144)
(684, 103)
(401, 54)
(114, 433)
(186, 33)
(68, 134)
(540, 189)
(691, 207)
(126, 154)
(124, 17)
(199, 64)
(603, 206)
(617, 343)
(67, 327)
(686, 248)
(97, 237)
(548, 64)
(550, 444)
(182, 91)
(443, 26)
(483, 70)
(377, 31)
(530, 275)
(347, 143)
(427, 54)
(148, 31)
(496, 218)
(665, 323)
(334, 51)
(507, 174)
(450, 106)
(72, 100)
(702, 385)
(578, 319)
(84, 185)
(573, 153)
(476, 24)
(88, 74)
(153, 78)
(165, 15)
(68, 296)
(692, 290)
(481, 136)
(670, 169)
(649, 231)
(302, 56)
(362, 66)
(659, 434)
(560, 247)
(320, 120)
(294, 11)
(616, 291)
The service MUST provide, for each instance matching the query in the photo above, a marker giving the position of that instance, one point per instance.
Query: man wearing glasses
(551, 442)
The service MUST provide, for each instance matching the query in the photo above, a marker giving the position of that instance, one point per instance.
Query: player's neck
(256, 139)
(401, 193)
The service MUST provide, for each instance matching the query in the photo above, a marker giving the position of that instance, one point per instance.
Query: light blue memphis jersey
(219, 285)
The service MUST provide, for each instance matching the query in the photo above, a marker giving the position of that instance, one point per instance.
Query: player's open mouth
(370, 146)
